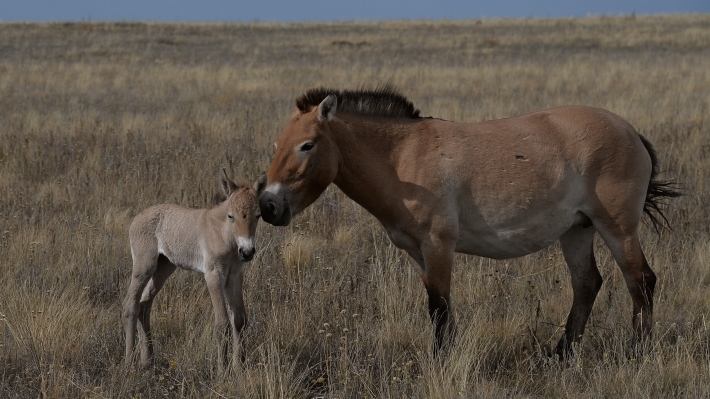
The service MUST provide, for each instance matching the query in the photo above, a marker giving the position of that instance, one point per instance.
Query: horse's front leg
(216, 282)
(438, 256)
(237, 311)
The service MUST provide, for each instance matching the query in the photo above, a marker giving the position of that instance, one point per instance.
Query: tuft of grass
(299, 252)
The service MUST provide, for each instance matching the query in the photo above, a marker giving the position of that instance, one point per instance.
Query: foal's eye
(307, 146)
(229, 215)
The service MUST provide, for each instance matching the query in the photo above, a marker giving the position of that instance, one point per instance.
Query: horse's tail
(658, 191)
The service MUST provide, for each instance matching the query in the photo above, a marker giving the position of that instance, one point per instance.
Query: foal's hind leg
(144, 264)
(577, 247)
(164, 269)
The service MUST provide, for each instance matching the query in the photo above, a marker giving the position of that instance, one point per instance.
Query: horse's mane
(384, 101)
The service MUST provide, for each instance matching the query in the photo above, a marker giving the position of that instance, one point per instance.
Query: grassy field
(99, 121)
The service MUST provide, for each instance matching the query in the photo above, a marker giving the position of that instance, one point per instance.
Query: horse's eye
(307, 146)
(229, 215)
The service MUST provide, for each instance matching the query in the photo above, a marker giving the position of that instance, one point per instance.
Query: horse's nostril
(272, 207)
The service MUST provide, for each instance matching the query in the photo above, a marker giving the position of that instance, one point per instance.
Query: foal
(214, 241)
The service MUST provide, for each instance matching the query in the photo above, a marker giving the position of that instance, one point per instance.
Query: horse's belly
(499, 248)
(512, 241)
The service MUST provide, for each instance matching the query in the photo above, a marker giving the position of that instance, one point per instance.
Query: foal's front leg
(237, 312)
(216, 282)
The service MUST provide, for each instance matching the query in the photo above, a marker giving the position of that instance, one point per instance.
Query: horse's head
(306, 162)
(242, 212)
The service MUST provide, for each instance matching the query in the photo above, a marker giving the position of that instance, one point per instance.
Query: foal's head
(306, 162)
(242, 212)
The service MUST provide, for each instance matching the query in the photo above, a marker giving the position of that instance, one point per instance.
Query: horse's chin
(285, 218)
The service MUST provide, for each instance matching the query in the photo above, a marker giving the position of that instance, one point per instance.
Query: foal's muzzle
(274, 209)
(246, 254)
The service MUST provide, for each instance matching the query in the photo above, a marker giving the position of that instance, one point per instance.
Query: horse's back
(566, 148)
(518, 184)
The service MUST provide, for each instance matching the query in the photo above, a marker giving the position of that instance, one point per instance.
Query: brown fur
(500, 189)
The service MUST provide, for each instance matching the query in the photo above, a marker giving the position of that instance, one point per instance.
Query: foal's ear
(227, 185)
(260, 184)
(326, 109)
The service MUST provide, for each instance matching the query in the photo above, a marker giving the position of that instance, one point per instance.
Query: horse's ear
(260, 184)
(326, 109)
(227, 185)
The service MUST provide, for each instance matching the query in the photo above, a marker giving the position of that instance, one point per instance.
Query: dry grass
(99, 121)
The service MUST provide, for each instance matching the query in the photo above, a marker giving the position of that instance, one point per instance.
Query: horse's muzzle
(274, 209)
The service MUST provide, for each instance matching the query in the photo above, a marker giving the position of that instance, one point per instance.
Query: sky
(328, 10)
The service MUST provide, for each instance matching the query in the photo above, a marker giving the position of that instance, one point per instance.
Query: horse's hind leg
(577, 247)
(163, 270)
(616, 212)
(640, 279)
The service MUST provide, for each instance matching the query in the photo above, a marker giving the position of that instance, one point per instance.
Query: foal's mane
(384, 101)
(219, 197)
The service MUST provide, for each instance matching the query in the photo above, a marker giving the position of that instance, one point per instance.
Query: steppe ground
(100, 120)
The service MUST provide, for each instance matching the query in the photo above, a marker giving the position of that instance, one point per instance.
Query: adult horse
(500, 189)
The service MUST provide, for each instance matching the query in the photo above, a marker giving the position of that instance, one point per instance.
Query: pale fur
(499, 189)
(208, 241)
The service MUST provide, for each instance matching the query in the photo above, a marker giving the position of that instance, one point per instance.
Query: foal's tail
(657, 191)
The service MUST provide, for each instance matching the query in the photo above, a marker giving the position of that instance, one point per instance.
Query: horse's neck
(367, 169)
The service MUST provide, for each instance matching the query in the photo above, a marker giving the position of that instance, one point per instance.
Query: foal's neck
(215, 221)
